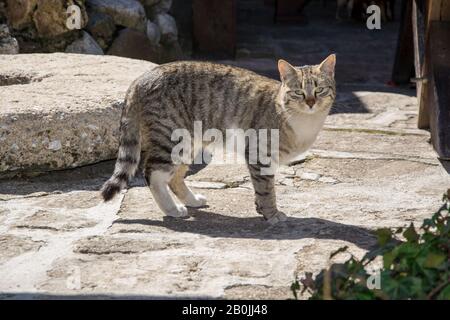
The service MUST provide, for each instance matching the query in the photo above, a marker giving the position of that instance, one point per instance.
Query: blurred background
(247, 33)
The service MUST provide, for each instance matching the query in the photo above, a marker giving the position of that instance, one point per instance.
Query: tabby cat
(174, 95)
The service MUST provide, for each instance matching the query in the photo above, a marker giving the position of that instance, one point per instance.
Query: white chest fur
(305, 127)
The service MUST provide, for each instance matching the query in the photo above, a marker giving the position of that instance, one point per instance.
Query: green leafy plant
(416, 268)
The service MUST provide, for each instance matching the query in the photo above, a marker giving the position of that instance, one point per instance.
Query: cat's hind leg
(182, 191)
(158, 181)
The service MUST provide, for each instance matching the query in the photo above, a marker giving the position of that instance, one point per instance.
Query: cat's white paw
(276, 218)
(179, 211)
(198, 200)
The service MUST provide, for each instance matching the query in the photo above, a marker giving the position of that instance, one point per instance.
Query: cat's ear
(287, 71)
(327, 65)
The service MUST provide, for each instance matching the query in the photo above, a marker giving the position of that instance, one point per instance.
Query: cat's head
(308, 89)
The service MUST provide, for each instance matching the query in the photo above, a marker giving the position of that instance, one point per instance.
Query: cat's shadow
(212, 224)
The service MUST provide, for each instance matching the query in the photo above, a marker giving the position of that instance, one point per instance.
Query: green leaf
(295, 286)
(445, 293)
(388, 259)
(434, 260)
(384, 235)
(410, 234)
(409, 288)
(427, 223)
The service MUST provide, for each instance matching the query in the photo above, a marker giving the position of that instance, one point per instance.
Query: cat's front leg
(265, 197)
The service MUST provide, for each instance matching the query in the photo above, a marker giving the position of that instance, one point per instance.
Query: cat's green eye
(319, 89)
(299, 93)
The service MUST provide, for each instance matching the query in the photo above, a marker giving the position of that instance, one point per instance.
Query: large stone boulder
(102, 28)
(156, 7)
(48, 17)
(168, 27)
(45, 26)
(153, 33)
(127, 13)
(57, 112)
(20, 12)
(85, 45)
(134, 44)
(8, 44)
(149, 3)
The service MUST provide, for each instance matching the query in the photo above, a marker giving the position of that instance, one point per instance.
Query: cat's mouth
(314, 109)
(308, 109)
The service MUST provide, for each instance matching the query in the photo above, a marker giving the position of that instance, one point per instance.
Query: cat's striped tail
(129, 151)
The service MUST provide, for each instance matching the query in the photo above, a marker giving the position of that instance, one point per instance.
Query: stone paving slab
(61, 110)
(224, 250)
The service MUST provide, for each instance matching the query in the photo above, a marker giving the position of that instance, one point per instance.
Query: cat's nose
(310, 102)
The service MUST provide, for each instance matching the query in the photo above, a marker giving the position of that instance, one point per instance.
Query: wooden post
(432, 13)
(418, 24)
(434, 93)
(437, 95)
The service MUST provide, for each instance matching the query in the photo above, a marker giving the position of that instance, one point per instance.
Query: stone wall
(140, 29)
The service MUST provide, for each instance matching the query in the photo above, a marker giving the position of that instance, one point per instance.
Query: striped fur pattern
(174, 95)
